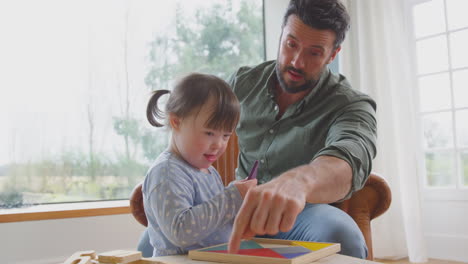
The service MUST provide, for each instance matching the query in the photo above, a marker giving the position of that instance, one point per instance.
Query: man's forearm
(326, 179)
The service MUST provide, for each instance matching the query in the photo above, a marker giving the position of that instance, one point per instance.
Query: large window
(441, 41)
(76, 76)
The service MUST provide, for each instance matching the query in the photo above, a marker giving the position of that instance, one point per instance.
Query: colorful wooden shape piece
(293, 255)
(245, 244)
(259, 252)
(291, 252)
(293, 249)
(314, 246)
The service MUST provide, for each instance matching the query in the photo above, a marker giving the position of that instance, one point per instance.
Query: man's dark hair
(321, 14)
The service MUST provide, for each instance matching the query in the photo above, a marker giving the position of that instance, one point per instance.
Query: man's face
(303, 54)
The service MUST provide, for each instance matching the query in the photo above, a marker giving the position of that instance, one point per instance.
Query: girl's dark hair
(190, 94)
(321, 14)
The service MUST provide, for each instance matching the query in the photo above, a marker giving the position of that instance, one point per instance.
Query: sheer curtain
(377, 58)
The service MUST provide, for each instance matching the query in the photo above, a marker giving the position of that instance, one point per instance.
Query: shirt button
(262, 161)
(271, 131)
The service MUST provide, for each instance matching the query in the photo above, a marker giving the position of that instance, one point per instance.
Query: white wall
(52, 241)
(445, 228)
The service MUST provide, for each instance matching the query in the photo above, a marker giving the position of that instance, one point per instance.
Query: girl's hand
(245, 185)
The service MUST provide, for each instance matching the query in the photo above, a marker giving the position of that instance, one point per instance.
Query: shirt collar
(319, 87)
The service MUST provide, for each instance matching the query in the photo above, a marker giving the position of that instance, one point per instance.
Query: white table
(333, 259)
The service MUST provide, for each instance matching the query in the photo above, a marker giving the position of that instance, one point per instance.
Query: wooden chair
(366, 204)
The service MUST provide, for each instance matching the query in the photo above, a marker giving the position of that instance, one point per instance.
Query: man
(313, 135)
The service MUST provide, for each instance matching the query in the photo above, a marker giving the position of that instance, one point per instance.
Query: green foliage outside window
(216, 40)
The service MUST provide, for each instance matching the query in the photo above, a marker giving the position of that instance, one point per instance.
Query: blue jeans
(326, 223)
(317, 222)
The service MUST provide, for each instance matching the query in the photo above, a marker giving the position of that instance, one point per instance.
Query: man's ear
(333, 55)
(174, 121)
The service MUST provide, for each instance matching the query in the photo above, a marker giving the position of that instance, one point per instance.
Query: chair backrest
(136, 205)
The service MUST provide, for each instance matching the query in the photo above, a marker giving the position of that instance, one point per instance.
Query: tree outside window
(81, 134)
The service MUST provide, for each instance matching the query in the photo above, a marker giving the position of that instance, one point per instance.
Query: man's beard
(293, 89)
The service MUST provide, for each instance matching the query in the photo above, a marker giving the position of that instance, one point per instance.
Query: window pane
(464, 161)
(440, 169)
(458, 48)
(434, 92)
(438, 130)
(460, 88)
(429, 18)
(432, 55)
(461, 118)
(456, 14)
(76, 76)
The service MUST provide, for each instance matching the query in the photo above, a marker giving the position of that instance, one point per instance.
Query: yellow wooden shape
(311, 245)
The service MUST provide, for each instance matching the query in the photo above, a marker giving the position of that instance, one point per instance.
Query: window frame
(64, 210)
(456, 192)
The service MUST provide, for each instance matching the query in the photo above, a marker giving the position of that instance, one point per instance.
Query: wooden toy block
(147, 261)
(140, 261)
(81, 257)
(119, 256)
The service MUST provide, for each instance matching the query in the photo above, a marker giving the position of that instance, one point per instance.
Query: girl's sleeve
(172, 203)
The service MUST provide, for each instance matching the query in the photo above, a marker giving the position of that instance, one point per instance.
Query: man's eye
(290, 44)
(315, 53)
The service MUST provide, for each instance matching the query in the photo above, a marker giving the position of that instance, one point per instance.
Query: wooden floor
(431, 261)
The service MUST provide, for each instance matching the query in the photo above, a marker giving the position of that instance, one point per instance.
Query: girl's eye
(208, 133)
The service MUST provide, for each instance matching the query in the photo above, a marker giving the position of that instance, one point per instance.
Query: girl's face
(196, 144)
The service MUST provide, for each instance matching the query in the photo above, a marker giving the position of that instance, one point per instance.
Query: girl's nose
(217, 143)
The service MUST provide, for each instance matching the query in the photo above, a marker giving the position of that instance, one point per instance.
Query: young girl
(186, 203)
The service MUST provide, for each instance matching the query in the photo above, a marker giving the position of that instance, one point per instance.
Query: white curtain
(377, 58)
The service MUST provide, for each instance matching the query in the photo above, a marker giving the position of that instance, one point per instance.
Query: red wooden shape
(260, 252)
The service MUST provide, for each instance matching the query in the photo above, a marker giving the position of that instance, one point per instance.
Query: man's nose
(298, 61)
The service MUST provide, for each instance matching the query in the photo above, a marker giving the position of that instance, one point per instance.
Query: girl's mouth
(210, 157)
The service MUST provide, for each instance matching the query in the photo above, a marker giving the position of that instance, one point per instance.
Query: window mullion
(452, 97)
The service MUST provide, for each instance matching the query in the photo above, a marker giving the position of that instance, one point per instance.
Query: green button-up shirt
(333, 120)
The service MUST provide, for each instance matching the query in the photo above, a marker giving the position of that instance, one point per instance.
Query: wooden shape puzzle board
(272, 251)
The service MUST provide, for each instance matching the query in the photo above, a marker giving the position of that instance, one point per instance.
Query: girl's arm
(182, 217)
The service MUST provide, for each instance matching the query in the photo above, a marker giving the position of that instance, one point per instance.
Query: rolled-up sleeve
(352, 138)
